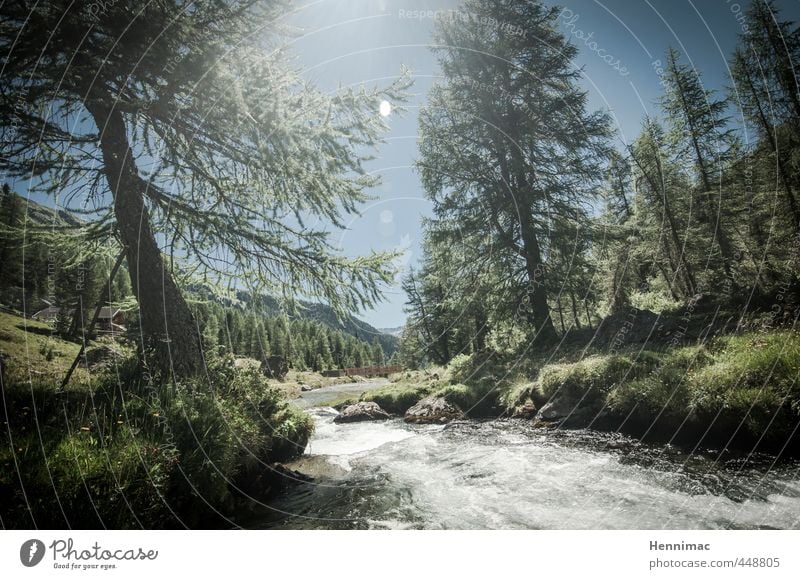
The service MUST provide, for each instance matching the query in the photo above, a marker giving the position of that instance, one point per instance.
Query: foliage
(241, 153)
(305, 343)
(687, 211)
(510, 158)
(146, 456)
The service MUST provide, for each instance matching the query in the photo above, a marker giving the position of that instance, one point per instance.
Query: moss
(399, 397)
(591, 379)
(477, 400)
(752, 384)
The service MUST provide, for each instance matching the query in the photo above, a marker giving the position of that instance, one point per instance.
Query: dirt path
(326, 395)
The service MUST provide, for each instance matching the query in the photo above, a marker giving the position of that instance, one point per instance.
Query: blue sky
(620, 42)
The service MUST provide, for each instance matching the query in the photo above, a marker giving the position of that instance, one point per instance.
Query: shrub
(143, 454)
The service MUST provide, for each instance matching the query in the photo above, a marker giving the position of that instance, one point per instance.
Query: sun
(385, 108)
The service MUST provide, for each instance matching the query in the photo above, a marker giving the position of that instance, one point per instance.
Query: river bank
(694, 437)
(733, 392)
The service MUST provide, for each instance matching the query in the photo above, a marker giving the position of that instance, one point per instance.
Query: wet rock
(305, 388)
(527, 410)
(360, 412)
(291, 475)
(556, 409)
(433, 410)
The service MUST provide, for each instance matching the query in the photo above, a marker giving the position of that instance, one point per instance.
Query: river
(504, 474)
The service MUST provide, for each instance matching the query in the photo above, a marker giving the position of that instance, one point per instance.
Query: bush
(144, 455)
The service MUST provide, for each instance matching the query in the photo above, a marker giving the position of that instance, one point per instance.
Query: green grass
(742, 386)
(34, 351)
(126, 454)
(398, 397)
(753, 380)
(735, 390)
(477, 396)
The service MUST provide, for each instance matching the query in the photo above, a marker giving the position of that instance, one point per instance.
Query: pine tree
(211, 330)
(377, 355)
(698, 130)
(661, 209)
(10, 254)
(764, 70)
(619, 235)
(199, 140)
(508, 151)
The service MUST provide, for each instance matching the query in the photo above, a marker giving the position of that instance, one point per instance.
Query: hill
(324, 314)
(397, 331)
(19, 211)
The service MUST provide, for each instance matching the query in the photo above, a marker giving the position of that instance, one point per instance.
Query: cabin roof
(107, 312)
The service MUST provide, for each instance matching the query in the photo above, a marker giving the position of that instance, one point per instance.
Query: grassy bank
(736, 391)
(125, 453)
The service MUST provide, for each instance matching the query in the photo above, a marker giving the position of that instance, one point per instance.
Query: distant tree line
(305, 344)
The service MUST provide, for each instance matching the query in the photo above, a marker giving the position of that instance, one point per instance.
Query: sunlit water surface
(505, 474)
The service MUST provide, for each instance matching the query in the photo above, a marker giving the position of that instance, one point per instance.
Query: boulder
(568, 412)
(556, 409)
(361, 411)
(433, 410)
(526, 410)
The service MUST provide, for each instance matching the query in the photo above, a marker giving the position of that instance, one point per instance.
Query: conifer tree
(699, 133)
(193, 138)
(508, 149)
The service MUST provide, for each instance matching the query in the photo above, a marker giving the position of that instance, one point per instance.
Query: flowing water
(504, 474)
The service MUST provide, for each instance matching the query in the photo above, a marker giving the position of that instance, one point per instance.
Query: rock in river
(433, 410)
(361, 411)
(556, 409)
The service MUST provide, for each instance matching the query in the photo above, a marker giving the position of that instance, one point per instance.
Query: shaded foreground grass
(125, 453)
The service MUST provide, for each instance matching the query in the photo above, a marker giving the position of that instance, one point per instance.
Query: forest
(179, 167)
(562, 228)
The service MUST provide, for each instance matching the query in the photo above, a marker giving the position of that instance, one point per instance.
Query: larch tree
(619, 235)
(184, 128)
(508, 149)
(699, 133)
(765, 90)
(663, 209)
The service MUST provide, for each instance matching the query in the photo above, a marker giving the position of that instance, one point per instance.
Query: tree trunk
(588, 315)
(168, 328)
(561, 315)
(537, 294)
(574, 309)
(538, 308)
